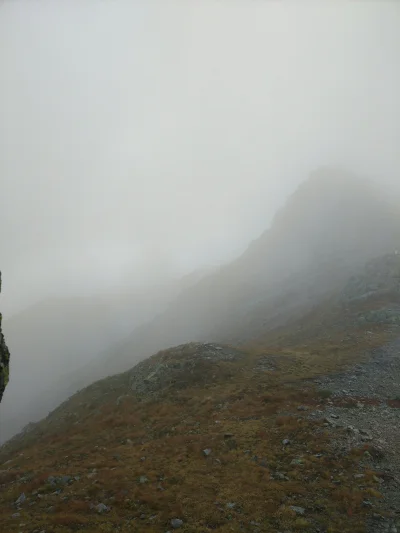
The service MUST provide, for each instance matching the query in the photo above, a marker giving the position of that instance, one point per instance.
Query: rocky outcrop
(179, 367)
(4, 360)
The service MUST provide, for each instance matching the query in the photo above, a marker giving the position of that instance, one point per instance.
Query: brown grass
(249, 477)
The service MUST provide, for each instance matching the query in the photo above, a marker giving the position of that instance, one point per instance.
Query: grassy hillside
(55, 337)
(207, 436)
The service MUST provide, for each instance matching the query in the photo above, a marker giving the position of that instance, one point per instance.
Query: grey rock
(120, 399)
(207, 452)
(298, 510)
(102, 508)
(367, 503)
(143, 479)
(298, 462)
(21, 499)
(176, 523)
(286, 442)
(280, 476)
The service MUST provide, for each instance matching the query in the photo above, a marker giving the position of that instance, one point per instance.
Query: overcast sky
(139, 137)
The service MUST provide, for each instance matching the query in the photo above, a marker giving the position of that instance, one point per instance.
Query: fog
(141, 141)
(144, 139)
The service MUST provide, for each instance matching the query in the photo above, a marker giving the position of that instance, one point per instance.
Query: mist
(142, 141)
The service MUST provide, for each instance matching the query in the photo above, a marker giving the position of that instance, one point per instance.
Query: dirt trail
(366, 401)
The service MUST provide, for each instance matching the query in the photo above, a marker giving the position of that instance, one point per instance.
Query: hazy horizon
(142, 141)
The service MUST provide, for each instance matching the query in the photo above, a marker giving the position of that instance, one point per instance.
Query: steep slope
(53, 338)
(4, 360)
(329, 228)
(206, 437)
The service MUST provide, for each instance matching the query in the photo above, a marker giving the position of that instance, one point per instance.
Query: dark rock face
(4, 360)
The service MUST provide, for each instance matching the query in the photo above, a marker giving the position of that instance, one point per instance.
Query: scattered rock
(298, 510)
(298, 462)
(286, 442)
(280, 476)
(176, 523)
(102, 508)
(207, 452)
(120, 399)
(21, 499)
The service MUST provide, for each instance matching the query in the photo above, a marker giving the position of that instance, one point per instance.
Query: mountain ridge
(293, 256)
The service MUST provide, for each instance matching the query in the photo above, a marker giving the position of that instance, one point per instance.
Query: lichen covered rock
(4, 360)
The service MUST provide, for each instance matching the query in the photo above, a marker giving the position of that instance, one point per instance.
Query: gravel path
(366, 401)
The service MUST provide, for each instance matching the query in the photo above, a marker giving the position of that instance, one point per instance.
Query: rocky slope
(4, 360)
(365, 404)
(297, 433)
